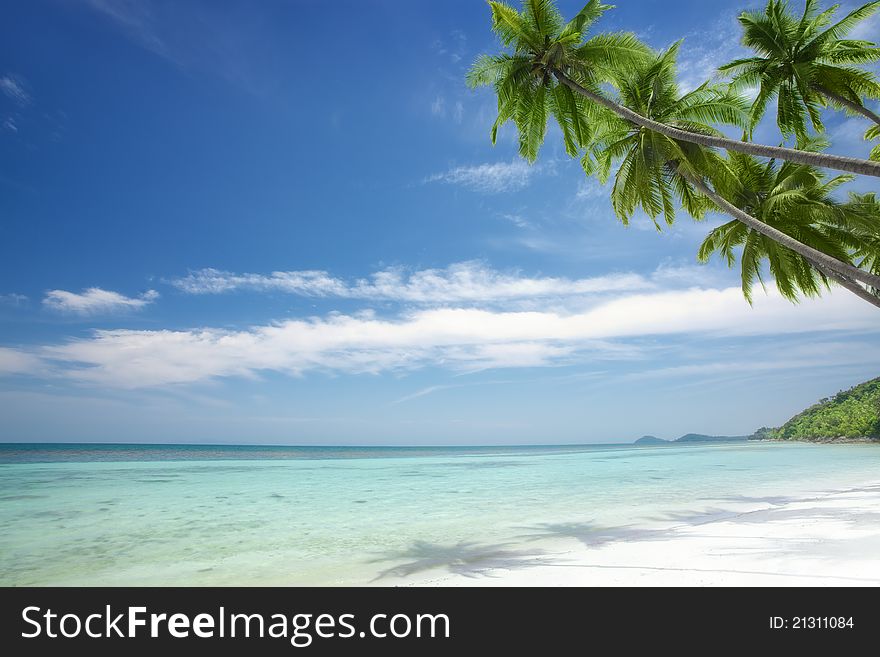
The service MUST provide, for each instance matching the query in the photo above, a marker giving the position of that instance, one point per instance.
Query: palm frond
(584, 19)
(542, 16)
(510, 27)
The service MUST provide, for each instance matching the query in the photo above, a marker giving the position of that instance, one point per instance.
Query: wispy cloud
(867, 30)
(304, 283)
(429, 390)
(454, 46)
(702, 53)
(441, 109)
(590, 189)
(13, 86)
(489, 178)
(14, 361)
(811, 356)
(197, 36)
(458, 283)
(459, 339)
(94, 301)
(135, 18)
(848, 136)
(13, 299)
(458, 111)
(518, 220)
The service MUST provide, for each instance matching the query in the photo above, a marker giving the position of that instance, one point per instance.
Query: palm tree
(798, 200)
(545, 53)
(526, 89)
(864, 211)
(805, 64)
(656, 171)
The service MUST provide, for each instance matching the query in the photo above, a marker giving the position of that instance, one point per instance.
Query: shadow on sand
(472, 559)
(463, 558)
(593, 535)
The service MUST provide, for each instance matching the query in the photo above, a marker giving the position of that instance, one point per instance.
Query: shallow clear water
(166, 515)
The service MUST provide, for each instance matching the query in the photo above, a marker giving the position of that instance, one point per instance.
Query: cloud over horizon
(458, 339)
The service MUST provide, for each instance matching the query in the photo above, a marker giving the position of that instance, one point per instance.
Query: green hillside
(853, 413)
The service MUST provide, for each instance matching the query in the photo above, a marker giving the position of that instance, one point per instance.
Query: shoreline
(706, 514)
(820, 441)
(827, 538)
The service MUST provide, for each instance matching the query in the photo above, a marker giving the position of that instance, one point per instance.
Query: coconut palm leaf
(539, 42)
(798, 200)
(652, 167)
(805, 63)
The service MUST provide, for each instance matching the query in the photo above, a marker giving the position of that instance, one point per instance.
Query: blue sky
(283, 222)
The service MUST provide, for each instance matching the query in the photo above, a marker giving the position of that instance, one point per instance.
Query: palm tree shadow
(701, 517)
(592, 535)
(463, 558)
(774, 500)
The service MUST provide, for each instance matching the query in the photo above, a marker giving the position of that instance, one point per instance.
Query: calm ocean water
(227, 515)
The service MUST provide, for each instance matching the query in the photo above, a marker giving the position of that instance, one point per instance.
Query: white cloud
(848, 136)
(867, 30)
(460, 282)
(458, 111)
(13, 361)
(440, 110)
(681, 273)
(765, 361)
(305, 283)
(590, 188)
(9, 124)
(426, 391)
(430, 390)
(453, 47)
(94, 300)
(702, 53)
(13, 87)
(518, 220)
(460, 339)
(438, 106)
(13, 299)
(489, 178)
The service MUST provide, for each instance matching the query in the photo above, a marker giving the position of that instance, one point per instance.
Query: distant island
(651, 440)
(689, 438)
(849, 416)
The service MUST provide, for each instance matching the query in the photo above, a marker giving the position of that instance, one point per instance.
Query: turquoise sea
(232, 515)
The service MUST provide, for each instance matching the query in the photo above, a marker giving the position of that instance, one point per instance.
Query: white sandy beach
(830, 538)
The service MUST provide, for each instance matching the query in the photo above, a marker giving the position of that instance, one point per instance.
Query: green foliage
(539, 42)
(652, 168)
(799, 201)
(871, 134)
(765, 433)
(798, 59)
(853, 413)
(804, 61)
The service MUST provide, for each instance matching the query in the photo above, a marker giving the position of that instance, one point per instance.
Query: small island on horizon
(852, 415)
(689, 438)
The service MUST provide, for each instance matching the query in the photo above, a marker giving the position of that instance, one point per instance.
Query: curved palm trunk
(850, 285)
(825, 160)
(820, 260)
(846, 102)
